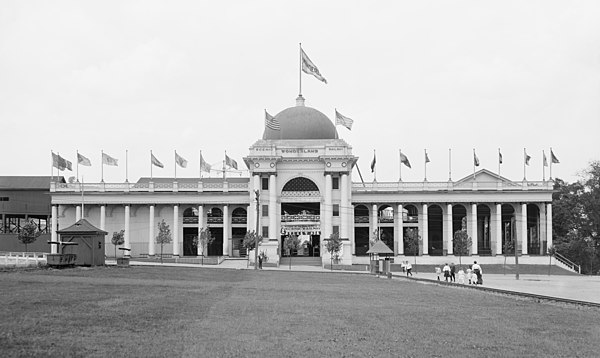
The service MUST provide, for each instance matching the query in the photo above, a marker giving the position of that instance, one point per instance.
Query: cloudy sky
(197, 75)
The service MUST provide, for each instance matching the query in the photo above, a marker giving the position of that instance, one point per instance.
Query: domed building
(300, 184)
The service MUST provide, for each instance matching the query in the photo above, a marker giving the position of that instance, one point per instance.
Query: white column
(77, 213)
(524, 240)
(249, 218)
(200, 249)
(175, 230)
(449, 229)
(425, 233)
(227, 249)
(498, 229)
(53, 234)
(327, 208)
(344, 208)
(353, 238)
(474, 229)
(151, 250)
(272, 207)
(349, 209)
(103, 217)
(548, 225)
(399, 235)
(374, 224)
(127, 243)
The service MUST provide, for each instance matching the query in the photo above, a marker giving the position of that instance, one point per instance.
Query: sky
(134, 76)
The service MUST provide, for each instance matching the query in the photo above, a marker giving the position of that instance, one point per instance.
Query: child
(469, 275)
(461, 276)
(438, 271)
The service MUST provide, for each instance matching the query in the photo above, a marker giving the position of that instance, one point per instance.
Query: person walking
(478, 272)
(446, 271)
(452, 272)
(408, 269)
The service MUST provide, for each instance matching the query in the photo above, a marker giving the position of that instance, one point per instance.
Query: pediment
(484, 175)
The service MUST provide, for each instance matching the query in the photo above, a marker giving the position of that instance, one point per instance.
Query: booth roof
(380, 248)
(82, 227)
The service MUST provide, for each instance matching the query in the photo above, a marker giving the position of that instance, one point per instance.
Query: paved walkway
(582, 288)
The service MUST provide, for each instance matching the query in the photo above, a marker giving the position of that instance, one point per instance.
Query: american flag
(343, 120)
(271, 122)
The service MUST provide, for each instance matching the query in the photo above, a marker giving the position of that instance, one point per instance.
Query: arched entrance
(508, 229)
(410, 223)
(435, 227)
(385, 213)
(483, 230)
(361, 230)
(239, 217)
(534, 246)
(190, 231)
(214, 219)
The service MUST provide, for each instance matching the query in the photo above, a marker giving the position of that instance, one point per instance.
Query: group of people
(474, 274)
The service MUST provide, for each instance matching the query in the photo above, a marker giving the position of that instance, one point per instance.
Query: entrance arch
(361, 230)
(483, 230)
(435, 226)
(508, 228)
(534, 246)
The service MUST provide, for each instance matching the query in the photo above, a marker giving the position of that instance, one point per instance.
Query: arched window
(410, 214)
(300, 184)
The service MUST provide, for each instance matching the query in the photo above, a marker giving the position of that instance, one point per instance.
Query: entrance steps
(301, 261)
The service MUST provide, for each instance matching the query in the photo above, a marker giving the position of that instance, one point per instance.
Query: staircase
(565, 263)
(301, 261)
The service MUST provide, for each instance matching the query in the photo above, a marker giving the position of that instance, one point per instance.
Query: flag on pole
(499, 157)
(60, 163)
(180, 161)
(108, 160)
(230, 162)
(68, 165)
(427, 157)
(545, 159)
(155, 161)
(475, 159)
(83, 160)
(343, 120)
(553, 158)
(309, 67)
(271, 122)
(373, 163)
(204, 166)
(404, 160)
(527, 158)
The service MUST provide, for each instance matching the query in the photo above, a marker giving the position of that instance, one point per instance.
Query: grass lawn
(157, 312)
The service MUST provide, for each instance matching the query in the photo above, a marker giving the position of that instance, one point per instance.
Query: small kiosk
(87, 243)
(379, 255)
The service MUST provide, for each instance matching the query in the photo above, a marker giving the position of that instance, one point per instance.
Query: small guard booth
(379, 255)
(87, 243)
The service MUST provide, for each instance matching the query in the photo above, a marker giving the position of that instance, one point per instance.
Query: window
(265, 183)
(336, 229)
(3, 198)
(265, 210)
(335, 183)
(265, 231)
(336, 210)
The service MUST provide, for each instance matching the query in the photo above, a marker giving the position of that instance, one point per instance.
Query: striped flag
(180, 161)
(271, 122)
(230, 162)
(309, 67)
(155, 161)
(83, 160)
(343, 120)
(108, 160)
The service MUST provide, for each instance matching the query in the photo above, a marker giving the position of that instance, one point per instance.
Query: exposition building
(301, 175)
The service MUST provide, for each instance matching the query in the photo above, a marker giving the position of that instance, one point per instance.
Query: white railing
(451, 186)
(568, 263)
(147, 187)
(22, 259)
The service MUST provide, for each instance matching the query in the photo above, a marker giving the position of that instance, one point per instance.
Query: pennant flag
(553, 158)
(499, 157)
(427, 158)
(271, 122)
(475, 159)
(404, 160)
(230, 162)
(204, 166)
(373, 163)
(83, 160)
(108, 160)
(180, 161)
(343, 120)
(155, 161)
(527, 158)
(309, 67)
(545, 160)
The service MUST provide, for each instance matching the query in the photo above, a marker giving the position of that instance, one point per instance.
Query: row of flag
(63, 164)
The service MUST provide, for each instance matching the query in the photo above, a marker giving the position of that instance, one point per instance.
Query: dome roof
(302, 122)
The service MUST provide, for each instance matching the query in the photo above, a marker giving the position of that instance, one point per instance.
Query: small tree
(374, 238)
(28, 233)
(204, 239)
(413, 242)
(251, 242)
(551, 251)
(118, 238)
(507, 248)
(163, 237)
(460, 244)
(333, 246)
(291, 243)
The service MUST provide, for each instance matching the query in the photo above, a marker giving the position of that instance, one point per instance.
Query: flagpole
(300, 70)
(200, 162)
(175, 165)
(126, 165)
(524, 163)
(544, 165)
(474, 163)
(425, 165)
(449, 164)
(551, 160)
(151, 165)
(400, 163)
(77, 165)
(499, 162)
(51, 166)
(224, 165)
(374, 167)
(102, 166)
(82, 208)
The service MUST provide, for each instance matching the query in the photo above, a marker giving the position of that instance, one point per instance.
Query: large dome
(302, 122)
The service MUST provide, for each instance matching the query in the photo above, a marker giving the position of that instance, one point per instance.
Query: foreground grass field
(158, 312)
